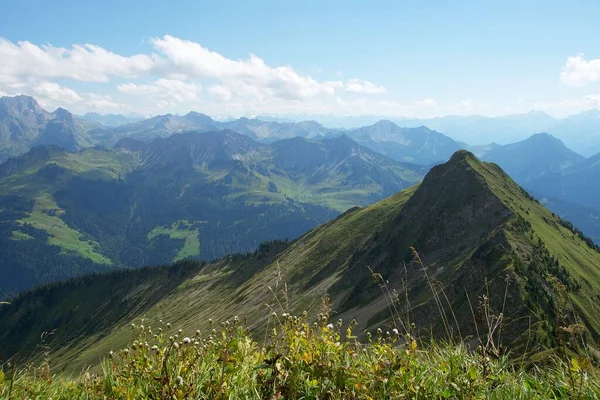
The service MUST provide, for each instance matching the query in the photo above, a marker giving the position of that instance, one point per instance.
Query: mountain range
(466, 232)
(580, 132)
(199, 195)
(24, 124)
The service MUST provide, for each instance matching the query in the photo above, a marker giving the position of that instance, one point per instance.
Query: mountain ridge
(487, 235)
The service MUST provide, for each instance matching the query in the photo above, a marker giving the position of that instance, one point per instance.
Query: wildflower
(155, 348)
(340, 322)
(176, 345)
(210, 321)
(179, 380)
(111, 354)
(198, 333)
(379, 331)
(126, 351)
(395, 331)
(168, 324)
(302, 333)
(186, 340)
(274, 314)
(329, 326)
(180, 331)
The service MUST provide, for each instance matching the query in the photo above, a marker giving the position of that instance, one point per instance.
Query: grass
(18, 235)
(45, 216)
(299, 359)
(181, 229)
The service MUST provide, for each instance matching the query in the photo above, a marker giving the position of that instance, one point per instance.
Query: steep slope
(579, 184)
(585, 219)
(536, 156)
(21, 119)
(188, 195)
(415, 145)
(478, 234)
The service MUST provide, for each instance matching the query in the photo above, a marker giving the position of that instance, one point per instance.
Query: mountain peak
(461, 155)
(17, 105)
(63, 115)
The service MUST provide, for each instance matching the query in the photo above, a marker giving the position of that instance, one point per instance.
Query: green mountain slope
(477, 232)
(191, 195)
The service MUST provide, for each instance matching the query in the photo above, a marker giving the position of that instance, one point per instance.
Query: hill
(479, 235)
(532, 158)
(188, 195)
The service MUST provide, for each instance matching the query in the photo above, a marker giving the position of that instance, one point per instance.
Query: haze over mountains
(580, 132)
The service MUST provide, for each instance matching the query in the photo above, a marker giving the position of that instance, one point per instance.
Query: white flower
(179, 380)
(155, 348)
(329, 326)
(186, 340)
(395, 331)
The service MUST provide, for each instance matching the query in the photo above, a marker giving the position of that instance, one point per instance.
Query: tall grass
(301, 357)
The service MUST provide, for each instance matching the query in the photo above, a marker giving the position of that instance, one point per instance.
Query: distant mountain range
(24, 124)
(199, 195)
(112, 120)
(580, 132)
(478, 234)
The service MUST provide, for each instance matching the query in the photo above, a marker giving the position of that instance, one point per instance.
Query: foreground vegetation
(301, 360)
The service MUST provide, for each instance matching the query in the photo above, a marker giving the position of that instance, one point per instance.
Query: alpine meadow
(326, 200)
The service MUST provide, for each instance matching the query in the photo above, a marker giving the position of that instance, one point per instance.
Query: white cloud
(54, 93)
(81, 62)
(578, 72)
(358, 86)
(427, 103)
(567, 107)
(252, 77)
(221, 93)
(167, 91)
(103, 103)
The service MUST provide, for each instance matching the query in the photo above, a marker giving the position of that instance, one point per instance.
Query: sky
(245, 58)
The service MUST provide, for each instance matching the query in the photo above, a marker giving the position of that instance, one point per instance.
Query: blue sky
(397, 58)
